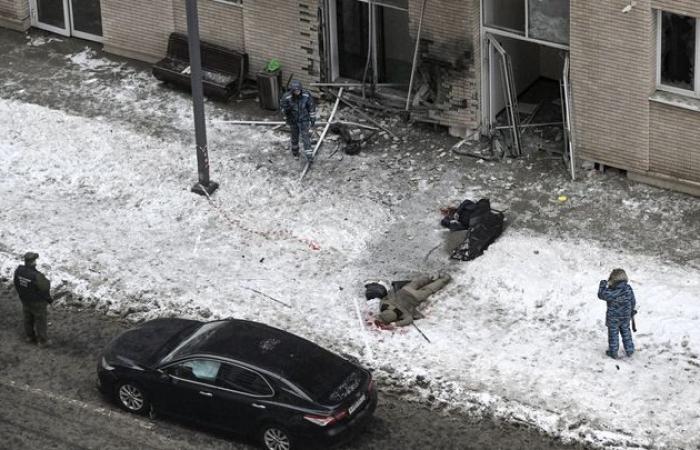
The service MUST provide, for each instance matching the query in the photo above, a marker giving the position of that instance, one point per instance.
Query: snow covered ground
(518, 335)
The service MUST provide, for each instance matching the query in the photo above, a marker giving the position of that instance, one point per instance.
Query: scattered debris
(267, 296)
(280, 124)
(323, 135)
(420, 331)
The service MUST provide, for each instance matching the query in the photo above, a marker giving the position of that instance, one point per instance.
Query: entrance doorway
(536, 69)
(358, 28)
(525, 87)
(79, 18)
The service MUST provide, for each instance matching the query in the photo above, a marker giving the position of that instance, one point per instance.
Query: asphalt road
(49, 401)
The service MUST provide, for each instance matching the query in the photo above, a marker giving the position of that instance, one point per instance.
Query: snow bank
(519, 334)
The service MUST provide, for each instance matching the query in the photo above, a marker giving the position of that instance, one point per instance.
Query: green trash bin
(269, 89)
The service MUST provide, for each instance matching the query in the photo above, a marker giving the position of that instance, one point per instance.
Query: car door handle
(206, 394)
(258, 405)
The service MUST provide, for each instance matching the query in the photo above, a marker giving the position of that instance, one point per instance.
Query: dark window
(200, 370)
(205, 332)
(393, 42)
(678, 51)
(549, 20)
(352, 22)
(505, 14)
(243, 380)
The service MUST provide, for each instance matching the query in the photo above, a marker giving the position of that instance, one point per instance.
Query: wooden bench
(223, 70)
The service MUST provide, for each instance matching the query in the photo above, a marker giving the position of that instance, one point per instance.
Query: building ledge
(677, 100)
(666, 182)
(131, 54)
(14, 24)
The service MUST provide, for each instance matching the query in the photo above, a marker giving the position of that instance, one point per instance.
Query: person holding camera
(622, 306)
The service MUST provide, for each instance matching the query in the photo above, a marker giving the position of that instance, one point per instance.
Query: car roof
(271, 349)
(315, 370)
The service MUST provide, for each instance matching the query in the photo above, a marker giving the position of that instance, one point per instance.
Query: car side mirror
(162, 376)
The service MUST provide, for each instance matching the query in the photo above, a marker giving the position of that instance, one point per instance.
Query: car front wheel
(274, 437)
(132, 398)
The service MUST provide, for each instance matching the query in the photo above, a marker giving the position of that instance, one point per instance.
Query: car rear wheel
(132, 398)
(274, 437)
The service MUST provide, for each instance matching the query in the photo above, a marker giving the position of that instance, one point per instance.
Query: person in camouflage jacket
(622, 305)
(299, 110)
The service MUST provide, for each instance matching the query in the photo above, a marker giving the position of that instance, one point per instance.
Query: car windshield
(190, 344)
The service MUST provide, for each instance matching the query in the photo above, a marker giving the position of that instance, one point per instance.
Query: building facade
(634, 88)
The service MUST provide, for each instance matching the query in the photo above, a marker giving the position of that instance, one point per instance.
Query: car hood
(143, 346)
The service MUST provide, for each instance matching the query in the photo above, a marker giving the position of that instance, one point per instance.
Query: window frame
(213, 385)
(380, 3)
(696, 65)
(525, 36)
(254, 372)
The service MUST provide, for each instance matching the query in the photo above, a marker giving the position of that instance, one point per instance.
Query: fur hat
(375, 290)
(295, 85)
(388, 316)
(617, 276)
(30, 257)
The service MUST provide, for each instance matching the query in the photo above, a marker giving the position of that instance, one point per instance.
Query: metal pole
(323, 134)
(200, 130)
(569, 126)
(375, 59)
(421, 332)
(415, 55)
(369, 46)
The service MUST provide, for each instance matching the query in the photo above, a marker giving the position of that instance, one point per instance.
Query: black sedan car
(239, 376)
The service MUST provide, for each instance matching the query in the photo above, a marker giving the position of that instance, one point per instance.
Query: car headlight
(105, 365)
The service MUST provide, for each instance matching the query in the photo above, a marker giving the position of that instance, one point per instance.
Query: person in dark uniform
(299, 111)
(34, 292)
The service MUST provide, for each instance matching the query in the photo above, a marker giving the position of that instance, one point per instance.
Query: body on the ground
(400, 306)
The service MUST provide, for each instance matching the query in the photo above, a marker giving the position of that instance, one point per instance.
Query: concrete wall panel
(219, 23)
(137, 29)
(14, 14)
(611, 53)
(284, 30)
(450, 39)
(675, 141)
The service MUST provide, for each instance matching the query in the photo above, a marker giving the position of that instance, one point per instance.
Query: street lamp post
(204, 185)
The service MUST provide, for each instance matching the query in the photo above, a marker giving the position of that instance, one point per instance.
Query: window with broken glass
(542, 21)
(678, 53)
